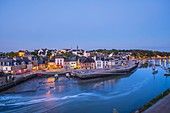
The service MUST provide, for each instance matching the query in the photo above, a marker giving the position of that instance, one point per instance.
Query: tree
(34, 53)
(49, 53)
(116, 52)
(12, 54)
(66, 54)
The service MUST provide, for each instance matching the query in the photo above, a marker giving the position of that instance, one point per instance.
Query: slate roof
(102, 58)
(73, 59)
(59, 56)
(66, 59)
(88, 60)
(13, 62)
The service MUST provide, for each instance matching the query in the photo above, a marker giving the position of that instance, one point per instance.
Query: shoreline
(18, 80)
(22, 78)
(152, 102)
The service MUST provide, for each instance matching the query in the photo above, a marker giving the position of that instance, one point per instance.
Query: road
(162, 106)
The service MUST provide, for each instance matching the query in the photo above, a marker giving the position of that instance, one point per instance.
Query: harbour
(44, 94)
(85, 56)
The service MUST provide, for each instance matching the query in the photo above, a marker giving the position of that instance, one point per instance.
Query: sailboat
(154, 70)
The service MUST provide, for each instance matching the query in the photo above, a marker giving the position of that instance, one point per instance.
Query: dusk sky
(92, 24)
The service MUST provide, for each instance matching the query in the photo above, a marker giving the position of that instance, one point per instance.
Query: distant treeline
(135, 52)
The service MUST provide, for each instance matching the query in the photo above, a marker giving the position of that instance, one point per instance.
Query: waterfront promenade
(118, 70)
(162, 106)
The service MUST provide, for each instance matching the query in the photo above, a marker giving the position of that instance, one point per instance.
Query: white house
(42, 52)
(99, 64)
(105, 63)
(59, 61)
(111, 63)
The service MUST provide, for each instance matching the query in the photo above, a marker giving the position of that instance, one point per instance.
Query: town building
(66, 63)
(73, 63)
(14, 65)
(88, 63)
(59, 61)
(42, 52)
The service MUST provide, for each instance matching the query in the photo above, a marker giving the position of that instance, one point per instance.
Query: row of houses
(78, 58)
(85, 62)
(18, 64)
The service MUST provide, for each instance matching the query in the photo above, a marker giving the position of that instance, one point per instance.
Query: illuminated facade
(21, 53)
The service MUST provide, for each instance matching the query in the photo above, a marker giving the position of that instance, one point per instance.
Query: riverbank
(17, 80)
(159, 104)
(118, 70)
(119, 92)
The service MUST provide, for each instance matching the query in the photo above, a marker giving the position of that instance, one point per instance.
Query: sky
(90, 24)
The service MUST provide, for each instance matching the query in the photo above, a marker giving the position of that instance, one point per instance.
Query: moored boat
(155, 71)
(56, 76)
(167, 74)
(67, 75)
(39, 74)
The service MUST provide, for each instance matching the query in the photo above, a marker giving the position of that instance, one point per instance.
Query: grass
(153, 101)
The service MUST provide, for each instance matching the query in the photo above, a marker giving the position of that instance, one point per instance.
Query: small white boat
(73, 74)
(67, 75)
(56, 76)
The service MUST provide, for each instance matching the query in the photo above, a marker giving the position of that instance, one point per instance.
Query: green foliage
(104, 51)
(135, 52)
(66, 54)
(49, 53)
(12, 54)
(57, 53)
(35, 53)
(116, 52)
(154, 100)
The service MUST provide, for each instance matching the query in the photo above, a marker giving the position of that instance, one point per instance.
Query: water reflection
(124, 93)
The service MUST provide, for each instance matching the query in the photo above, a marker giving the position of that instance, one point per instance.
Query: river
(124, 93)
